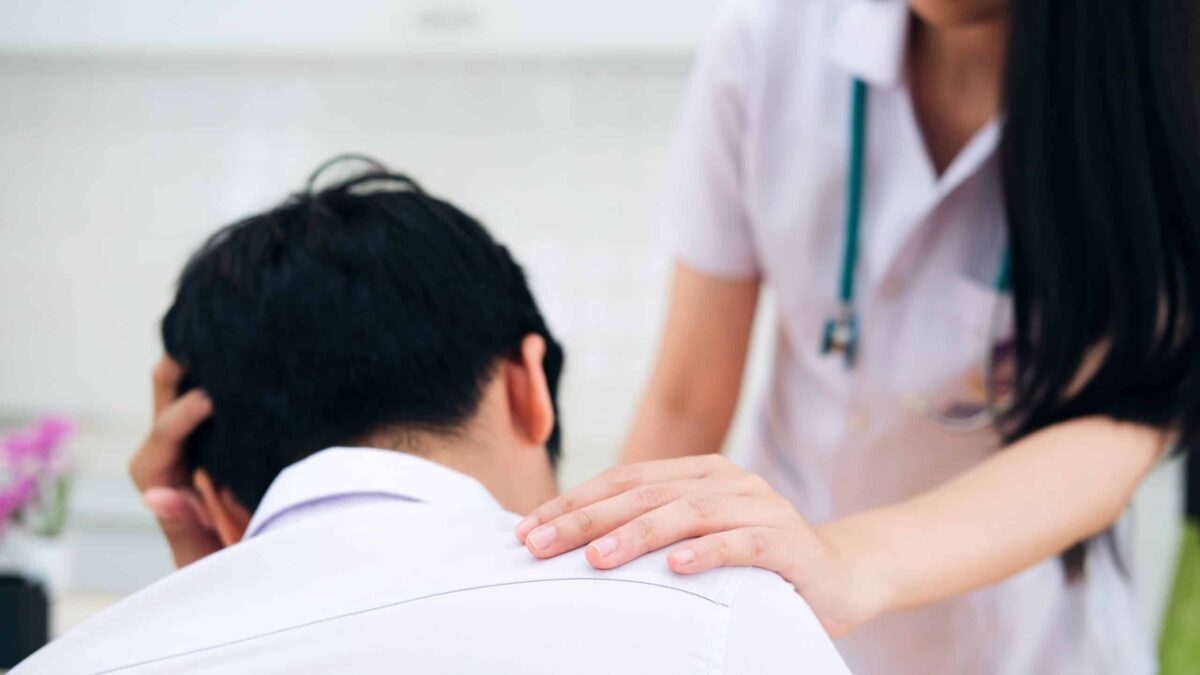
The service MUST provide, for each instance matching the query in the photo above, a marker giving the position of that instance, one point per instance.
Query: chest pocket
(973, 319)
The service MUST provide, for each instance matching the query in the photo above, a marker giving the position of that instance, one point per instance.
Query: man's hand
(158, 471)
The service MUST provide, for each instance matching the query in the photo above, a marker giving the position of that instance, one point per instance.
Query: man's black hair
(363, 306)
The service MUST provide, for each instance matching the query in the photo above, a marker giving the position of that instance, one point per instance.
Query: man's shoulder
(315, 592)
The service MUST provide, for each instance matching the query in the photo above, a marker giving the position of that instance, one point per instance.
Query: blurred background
(130, 129)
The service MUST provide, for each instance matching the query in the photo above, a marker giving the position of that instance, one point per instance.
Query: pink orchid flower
(16, 495)
(28, 456)
(39, 442)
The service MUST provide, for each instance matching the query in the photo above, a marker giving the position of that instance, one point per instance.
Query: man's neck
(519, 478)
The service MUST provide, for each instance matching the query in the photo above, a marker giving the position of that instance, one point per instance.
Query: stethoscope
(842, 329)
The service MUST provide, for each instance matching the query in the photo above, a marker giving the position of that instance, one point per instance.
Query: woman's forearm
(1028, 503)
(697, 376)
(663, 430)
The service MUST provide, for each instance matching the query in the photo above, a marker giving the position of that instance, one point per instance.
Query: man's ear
(230, 518)
(528, 393)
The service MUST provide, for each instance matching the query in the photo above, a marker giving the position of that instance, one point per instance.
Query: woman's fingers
(576, 528)
(764, 547)
(622, 479)
(689, 516)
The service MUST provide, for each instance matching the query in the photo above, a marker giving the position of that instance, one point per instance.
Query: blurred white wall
(116, 167)
(120, 151)
(130, 129)
(355, 26)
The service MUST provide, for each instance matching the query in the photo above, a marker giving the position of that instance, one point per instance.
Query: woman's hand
(158, 471)
(735, 517)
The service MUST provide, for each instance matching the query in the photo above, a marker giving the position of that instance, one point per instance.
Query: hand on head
(158, 470)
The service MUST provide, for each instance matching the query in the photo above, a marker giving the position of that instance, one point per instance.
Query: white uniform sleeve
(772, 631)
(702, 209)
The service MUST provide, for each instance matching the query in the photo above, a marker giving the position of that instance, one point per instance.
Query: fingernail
(683, 556)
(525, 526)
(542, 537)
(604, 546)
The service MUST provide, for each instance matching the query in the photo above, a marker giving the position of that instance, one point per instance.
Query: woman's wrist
(868, 566)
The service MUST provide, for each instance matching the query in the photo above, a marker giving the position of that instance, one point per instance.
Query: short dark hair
(364, 306)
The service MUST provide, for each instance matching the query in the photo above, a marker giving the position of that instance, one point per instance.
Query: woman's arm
(1027, 503)
(694, 388)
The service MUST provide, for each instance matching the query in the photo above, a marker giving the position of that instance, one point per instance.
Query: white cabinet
(417, 26)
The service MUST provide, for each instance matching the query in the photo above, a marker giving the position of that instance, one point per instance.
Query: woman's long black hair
(1101, 170)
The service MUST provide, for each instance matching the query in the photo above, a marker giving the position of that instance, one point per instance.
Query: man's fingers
(184, 522)
(576, 528)
(180, 419)
(158, 463)
(621, 479)
(165, 382)
(762, 547)
(690, 516)
(157, 467)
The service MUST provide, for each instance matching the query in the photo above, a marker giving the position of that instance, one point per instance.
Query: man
(382, 395)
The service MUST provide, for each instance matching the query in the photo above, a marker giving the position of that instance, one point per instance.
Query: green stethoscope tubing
(842, 330)
(854, 187)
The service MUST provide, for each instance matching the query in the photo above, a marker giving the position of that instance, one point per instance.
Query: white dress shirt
(368, 561)
(757, 189)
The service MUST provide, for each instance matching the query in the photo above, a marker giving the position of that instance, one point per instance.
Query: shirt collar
(335, 473)
(870, 39)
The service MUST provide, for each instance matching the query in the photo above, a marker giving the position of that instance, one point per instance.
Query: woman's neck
(964, 56)
(955, 74)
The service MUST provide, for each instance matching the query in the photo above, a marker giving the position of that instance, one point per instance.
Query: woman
(1059, 135)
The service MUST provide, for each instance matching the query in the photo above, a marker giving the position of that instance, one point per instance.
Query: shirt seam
(728, 590)
(345, 615)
